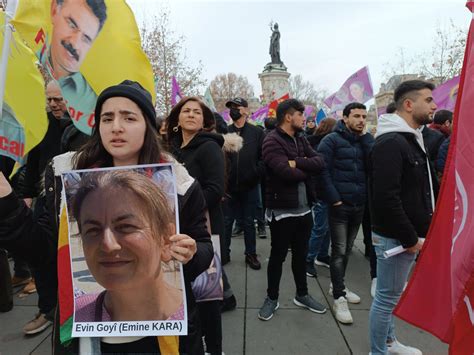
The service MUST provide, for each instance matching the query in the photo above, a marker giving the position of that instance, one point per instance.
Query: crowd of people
(314, 186)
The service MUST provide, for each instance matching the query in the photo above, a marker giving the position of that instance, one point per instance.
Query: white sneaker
(397, 348)
(373, 287)
(351, 297)
(341, 311)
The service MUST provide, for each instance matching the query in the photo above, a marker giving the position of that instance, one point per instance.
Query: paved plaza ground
(291, 331)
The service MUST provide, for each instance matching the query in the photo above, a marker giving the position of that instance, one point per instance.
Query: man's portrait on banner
(75, 26)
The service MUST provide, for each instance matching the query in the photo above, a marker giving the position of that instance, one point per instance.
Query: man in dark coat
(345, 151)
(290, 162)
(246, 169)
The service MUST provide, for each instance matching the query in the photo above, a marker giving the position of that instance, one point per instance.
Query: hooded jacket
(345, 154)
(37, 240)
(402, 185)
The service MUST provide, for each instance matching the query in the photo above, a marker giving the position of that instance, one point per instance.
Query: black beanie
(131, 90)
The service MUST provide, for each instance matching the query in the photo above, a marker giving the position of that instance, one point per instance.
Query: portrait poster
(86, 46)
(124, 279)
(208, 286)
(357, 88)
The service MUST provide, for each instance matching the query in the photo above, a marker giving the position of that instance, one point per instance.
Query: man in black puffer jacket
(246, 168)
(345, 151)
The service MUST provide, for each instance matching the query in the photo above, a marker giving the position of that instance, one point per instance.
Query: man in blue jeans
(345, 152)
(402, 188)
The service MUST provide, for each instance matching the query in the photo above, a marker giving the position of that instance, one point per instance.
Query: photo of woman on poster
(125, 222)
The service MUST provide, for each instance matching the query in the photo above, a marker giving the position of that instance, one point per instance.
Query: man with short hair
(345, 152)
(442, 122)
(55, 139)
(75, 26)
(290, 163)
(402, 194)
(246, 168)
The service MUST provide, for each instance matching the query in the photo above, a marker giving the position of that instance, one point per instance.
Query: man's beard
(296, 128)
(422, 119)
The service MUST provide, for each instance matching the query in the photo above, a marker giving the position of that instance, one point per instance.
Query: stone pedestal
(274, 80)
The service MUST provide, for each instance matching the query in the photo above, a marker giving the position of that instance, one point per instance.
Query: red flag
(272, 106)
(440, 296)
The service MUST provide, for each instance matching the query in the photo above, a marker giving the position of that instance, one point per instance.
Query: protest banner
(86, 47)
(445, 266)
(272, 106)
(320, 116)
(119, 221)
(176, 94)
(208, 100)
(357, 88)
(208, 286)
(259, 116)
(309, 111)
(23, 121)
(226, 116)
(445, 95)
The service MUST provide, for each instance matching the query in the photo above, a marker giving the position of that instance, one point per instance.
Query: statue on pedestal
(276, 62)
(275, 45)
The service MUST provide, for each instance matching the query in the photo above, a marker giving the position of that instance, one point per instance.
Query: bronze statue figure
(275, 45)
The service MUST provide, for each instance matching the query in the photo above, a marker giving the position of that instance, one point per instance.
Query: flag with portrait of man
(86, 46)
(18, 132)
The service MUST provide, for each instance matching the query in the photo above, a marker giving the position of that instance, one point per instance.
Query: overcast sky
(324, 41)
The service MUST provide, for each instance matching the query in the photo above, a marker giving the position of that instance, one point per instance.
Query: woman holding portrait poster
(125, 134)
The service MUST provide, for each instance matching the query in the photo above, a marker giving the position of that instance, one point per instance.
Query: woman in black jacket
(200, 151)
(125, 134)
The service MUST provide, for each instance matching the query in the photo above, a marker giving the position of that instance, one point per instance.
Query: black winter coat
(204, 160)
(346, 155)
(281, 189)
(399, 189)
(246, 167)
(442, 156)
(36, 242)
(433, 140)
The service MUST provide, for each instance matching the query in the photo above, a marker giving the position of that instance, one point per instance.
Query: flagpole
(10, 11)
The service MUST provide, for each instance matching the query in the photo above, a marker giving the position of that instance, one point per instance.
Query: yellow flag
(24, 122)
(86, 46)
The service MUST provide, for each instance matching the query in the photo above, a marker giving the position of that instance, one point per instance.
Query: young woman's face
(191, 117)
(122, 130)
(120, 249)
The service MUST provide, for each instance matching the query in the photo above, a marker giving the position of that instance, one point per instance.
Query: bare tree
(446, 57)
(306, 91)
(441, 63)
(226, 86)
(401, 64)
(165, 51)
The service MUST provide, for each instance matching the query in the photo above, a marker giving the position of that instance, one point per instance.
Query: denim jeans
(392, 273)
(318, 245)
(243, 203)
(344, 223)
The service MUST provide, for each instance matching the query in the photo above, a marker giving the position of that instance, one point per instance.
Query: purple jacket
(281, 190)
